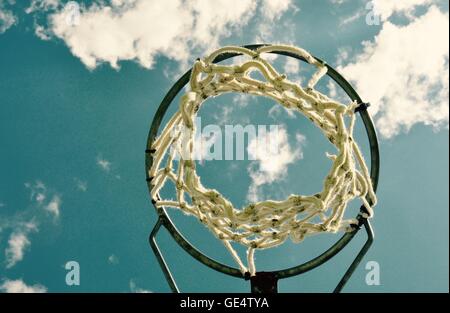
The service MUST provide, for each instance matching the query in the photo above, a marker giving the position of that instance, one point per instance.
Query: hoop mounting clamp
(363, 106)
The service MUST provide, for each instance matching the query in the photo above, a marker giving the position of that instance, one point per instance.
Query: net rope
(269, 223)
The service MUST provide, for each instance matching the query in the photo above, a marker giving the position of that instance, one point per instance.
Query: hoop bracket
(264, 282)
(363, 106)
(359, 256)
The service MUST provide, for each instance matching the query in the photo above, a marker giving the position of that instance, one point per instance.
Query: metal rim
(288, 272)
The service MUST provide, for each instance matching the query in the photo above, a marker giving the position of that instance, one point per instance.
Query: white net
(264, 224)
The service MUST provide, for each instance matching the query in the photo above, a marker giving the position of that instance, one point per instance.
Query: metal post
(264, 282)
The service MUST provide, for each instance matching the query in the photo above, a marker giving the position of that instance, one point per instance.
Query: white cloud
(343, 54)
(242, 99)
(384, 9)
(18, 242)
(140, 31)
(41, 32)
(39, 193)
(275, 31)
(291, 66)
(337, 93)
(292, 70)
(122, 2)
(42, 5)
(54, 205)
(40, 197)
(337, 2)
(104, 164)
(19, 286)
(271, 57)
(223, 115)
(270, 165)
(7, 18)
(273, 9)
(403, 72)
(107, 166)
(37, 6)
(136, 289)
(301, 139)
(23, 223)
(351, 18)
(387, 8)
(81, 185)
(113, 259)
(276, 111)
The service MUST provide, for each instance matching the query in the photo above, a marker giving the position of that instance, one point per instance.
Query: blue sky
(78, 93)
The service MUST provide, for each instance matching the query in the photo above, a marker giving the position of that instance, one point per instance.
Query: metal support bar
(266, 282)
(160, 258)
(358, 258)
(194, 252)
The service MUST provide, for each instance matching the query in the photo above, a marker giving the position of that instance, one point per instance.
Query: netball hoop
(268, 223)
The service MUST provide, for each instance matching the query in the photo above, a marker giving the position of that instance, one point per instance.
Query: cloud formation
(273, 9)
(18, 242)
(135, 289)
(403, 72)
(19, 286)
(39, 195)
(387, 8)
(113, 259)
(7, 17)
(138, 29)
(81, 184)
(104, 164)
(42, 5)
(26, 222)
(54, 205)
(270, 165)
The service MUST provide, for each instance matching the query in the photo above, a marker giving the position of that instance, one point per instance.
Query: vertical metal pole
(264, 282)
